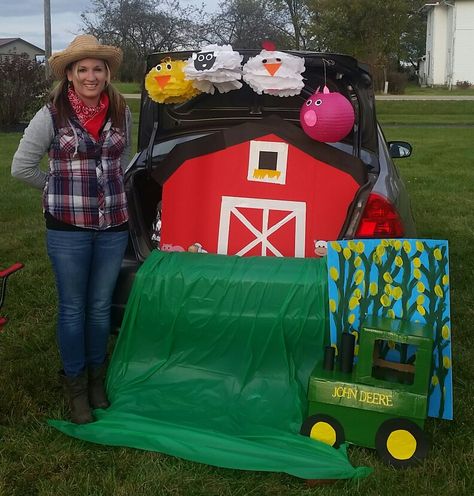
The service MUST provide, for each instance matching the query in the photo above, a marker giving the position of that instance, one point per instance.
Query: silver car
(170, 133)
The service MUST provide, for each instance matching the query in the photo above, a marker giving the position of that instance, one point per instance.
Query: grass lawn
(414, 89)
(37, 460)
(425, 112)
(127, 88)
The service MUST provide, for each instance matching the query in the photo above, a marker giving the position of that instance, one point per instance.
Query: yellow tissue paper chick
(166, 83)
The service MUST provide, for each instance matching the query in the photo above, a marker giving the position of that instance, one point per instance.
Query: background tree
(140, 27)
(367, 29)
(244, 24)
(295, 22)
(378, 33)
(413, 40)
(22, 89)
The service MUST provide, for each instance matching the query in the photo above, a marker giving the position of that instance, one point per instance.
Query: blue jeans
(86, 266)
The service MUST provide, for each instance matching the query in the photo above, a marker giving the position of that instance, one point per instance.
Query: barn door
(254, 226)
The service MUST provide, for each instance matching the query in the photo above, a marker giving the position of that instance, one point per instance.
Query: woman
(85, 130)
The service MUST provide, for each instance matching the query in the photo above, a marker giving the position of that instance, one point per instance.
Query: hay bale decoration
(274, 73)
(215, 66)
(166, 83)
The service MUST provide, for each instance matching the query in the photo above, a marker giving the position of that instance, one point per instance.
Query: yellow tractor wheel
(401, 443)
(323, 428)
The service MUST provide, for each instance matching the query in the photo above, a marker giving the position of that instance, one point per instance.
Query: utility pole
(47, 36)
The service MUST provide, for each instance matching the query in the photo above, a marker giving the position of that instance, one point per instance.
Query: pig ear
(194, 56)
(317, 89)
(326, 90)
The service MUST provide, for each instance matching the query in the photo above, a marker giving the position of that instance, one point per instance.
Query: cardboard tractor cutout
(379, 404)
(390, 326)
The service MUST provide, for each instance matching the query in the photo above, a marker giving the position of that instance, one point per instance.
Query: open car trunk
(199, 165)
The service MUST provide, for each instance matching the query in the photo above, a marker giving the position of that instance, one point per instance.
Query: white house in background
(449, 43)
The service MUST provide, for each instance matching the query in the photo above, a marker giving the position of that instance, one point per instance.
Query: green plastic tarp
(212, 364)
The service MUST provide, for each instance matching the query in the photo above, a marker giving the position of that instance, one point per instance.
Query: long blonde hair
(58, 97)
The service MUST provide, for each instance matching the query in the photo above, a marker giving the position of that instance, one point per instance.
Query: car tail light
(379, 220)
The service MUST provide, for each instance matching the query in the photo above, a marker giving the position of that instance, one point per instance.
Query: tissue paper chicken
(275, 73)
(166, 83)
(213, 67)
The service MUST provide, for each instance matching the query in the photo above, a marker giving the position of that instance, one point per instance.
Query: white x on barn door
(231, 206)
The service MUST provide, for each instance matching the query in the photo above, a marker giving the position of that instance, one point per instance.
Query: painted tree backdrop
(401, 279)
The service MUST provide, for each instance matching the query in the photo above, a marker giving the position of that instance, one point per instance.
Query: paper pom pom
(269, 46)
(166, 83)
(215, 67)
(275, 73)
(326, 116)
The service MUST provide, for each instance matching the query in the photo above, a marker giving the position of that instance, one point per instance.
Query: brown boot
(97, 394)
(76, 393)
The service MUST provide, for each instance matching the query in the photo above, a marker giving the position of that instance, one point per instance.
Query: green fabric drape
(212, 364)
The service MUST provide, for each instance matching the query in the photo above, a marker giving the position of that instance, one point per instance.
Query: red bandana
(91, 118)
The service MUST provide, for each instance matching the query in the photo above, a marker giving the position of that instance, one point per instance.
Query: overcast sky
(25, 19)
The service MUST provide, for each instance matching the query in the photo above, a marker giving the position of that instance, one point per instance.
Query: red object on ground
(10, 270)
(4, 274)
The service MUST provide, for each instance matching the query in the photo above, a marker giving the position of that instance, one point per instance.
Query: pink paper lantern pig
(327, 116)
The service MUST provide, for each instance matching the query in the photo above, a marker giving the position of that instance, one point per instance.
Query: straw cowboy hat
(85, 46)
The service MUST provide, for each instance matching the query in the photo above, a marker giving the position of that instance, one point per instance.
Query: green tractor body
(379, 394)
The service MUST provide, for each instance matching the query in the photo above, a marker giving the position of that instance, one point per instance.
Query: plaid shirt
(85, 183)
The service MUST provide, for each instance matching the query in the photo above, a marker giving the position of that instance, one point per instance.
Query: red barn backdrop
(257, 189)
